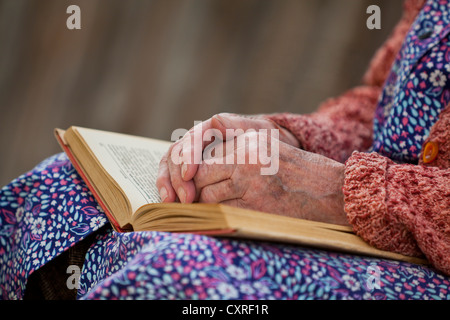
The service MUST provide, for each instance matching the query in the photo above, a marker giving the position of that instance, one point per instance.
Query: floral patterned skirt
(48, 210)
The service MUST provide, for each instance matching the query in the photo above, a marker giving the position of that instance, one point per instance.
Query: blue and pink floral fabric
(156, 265)
(417, 88)
(42, 213)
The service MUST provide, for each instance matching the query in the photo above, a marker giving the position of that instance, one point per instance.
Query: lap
(49, 211)
(157, 265)
(43, 213)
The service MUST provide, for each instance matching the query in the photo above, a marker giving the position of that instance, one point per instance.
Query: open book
(120, 170)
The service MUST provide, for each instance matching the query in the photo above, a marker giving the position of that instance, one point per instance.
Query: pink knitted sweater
(397, 207)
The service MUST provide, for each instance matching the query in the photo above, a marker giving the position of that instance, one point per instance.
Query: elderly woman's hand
(174, 180)
(306, 185)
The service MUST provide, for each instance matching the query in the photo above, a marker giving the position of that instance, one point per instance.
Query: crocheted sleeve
(340, 126)
(400, 207)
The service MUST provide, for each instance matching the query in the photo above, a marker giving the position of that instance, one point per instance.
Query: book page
(130, 160)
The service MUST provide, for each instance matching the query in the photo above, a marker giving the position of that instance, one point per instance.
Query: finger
(225, 121)
(210, 173)
(185, 190)
(192, 148)
(213, 130)
(237, 124)
(221, 127)
(222, 191)
(166, 192)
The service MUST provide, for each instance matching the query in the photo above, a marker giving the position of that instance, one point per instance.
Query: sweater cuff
(366, 197)
(313, 135)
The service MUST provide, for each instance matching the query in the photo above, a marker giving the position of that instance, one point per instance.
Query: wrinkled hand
(307, 185)
(174, 180)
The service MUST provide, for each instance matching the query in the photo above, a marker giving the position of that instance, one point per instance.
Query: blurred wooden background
(147, 67)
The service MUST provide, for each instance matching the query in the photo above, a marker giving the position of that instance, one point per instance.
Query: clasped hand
(230, 171)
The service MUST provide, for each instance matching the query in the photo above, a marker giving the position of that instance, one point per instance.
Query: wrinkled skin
(306, 185)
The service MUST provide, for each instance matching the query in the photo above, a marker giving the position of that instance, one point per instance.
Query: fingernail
(182, 195)
(183, 170)
(163, 194)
